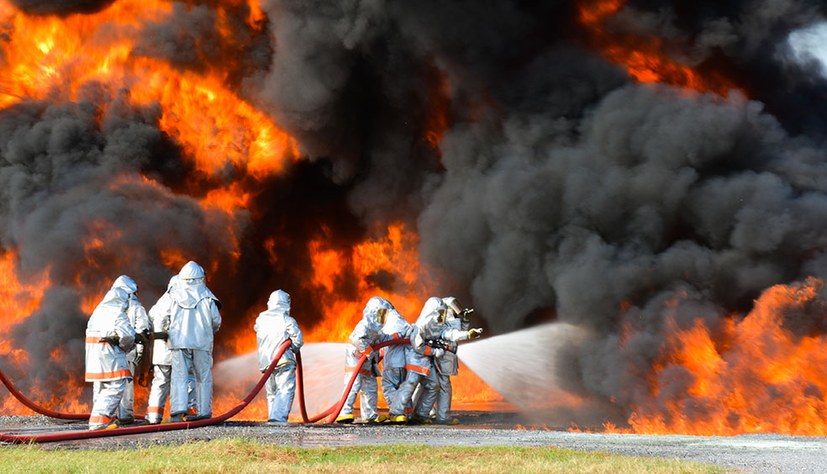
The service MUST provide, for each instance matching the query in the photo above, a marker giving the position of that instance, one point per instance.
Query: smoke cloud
(545, 182)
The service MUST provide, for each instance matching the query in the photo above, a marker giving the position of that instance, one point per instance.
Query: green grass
(238, 455)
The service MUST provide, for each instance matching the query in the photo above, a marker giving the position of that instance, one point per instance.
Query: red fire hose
(331, 412)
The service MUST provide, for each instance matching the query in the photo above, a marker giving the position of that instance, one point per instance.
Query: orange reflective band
(428, 350)
(395, 335)
(361, 371)
(95, 340)
(153, 410)
(108, 375)
(103, 420)
(418, 369)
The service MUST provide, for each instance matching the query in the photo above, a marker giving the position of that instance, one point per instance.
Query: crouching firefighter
(109, 336)
(420, 365)
(394, 362)
(368, 331)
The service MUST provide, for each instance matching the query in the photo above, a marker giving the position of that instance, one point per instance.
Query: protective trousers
(370, 392)
(392, 380)
(126, 409)
(443, 398)
(200, 363)
(159, 391)
(280, 388)
(106, 396)
(405, 394)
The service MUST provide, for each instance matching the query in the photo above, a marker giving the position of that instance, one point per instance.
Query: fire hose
(331, 413)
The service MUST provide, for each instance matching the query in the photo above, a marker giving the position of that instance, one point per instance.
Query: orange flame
(19, 299)
(752, 376)
(232, 145)
(645, 57)
(51, 57)
(393, 255)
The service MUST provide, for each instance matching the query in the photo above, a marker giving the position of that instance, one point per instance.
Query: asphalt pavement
(764, 453)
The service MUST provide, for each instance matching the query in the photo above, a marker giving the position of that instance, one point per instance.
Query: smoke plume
(546, 178)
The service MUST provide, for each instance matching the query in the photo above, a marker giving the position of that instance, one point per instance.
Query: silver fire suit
(456, 330)
(193, 320)
(140, 323)
(420, 363)
(162, 362)
(106, 365)
(366, 333)
(272, 328)
(394, 357)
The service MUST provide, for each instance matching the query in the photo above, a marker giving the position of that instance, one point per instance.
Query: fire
(231, 145)
(19, 299)
(753, 375)
(392, 257)
(51, 57)
(213, 125)
(646, 58)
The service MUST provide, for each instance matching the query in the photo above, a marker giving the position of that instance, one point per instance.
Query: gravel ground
(747, 453)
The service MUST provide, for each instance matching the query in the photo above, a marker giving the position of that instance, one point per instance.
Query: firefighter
(273, 327)
(162, 361)
(457, 328)
(139, 321)
(368, 331)
(109, 336)
(193, 320)
(394, 361)
(420, 364)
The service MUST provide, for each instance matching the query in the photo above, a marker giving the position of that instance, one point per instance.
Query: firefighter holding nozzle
(457, 328)
(139, 321)
(192, 321)
(109, 336)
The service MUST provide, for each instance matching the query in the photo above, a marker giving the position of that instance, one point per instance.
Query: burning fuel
(650, 177)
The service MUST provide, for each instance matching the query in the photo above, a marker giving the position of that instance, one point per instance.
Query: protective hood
(395, 323)
(375, 311)
(453, 304)
(190, 287)
(191, 271)
(279, 301)
(114, 300)
(126, 284)
(429, 307)
(172, 282)
(432, 318)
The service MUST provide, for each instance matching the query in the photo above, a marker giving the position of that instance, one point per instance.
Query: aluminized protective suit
(394, 357)
(448, 365)
(140, 323)
(368, 331)
(193, 320)
(162, 362)
(420, 364)
(106, 364)
(272, 328)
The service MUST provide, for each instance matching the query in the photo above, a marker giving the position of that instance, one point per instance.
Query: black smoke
(561, 189)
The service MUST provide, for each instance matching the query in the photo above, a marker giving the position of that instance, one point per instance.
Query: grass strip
(243, 456)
